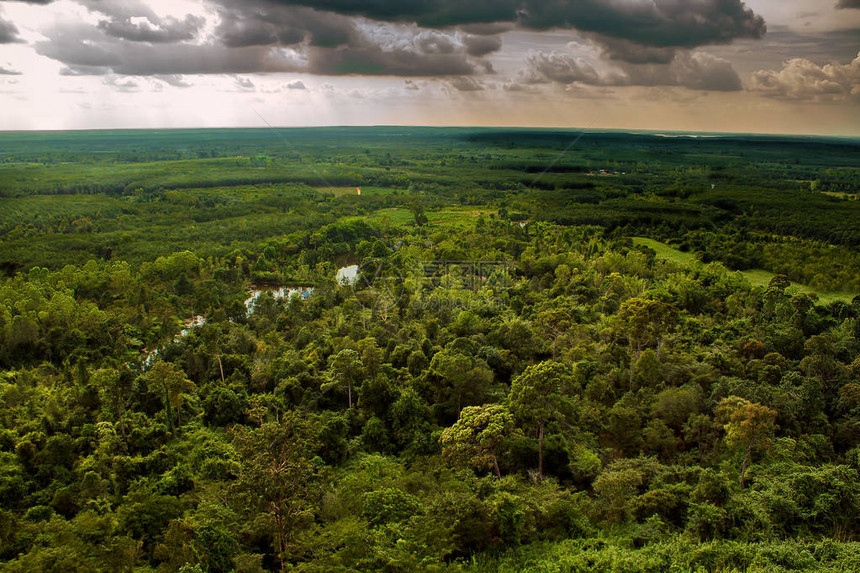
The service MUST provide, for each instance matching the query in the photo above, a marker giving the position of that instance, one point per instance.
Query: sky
(754, 66)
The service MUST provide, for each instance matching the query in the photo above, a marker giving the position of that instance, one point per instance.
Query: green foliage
(153, 418)
(476, 438)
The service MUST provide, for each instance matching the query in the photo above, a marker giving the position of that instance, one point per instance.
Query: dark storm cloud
(253, 27)
(849, 4)
(696, 71)
(166, 30)
(260, 23)
(627, 51)
(336, 43)
(254, 36)
(426, 13)
(242, 34)
(667, 24)
(406, 38)
(480, 46)
(654, 23)
(8, 32)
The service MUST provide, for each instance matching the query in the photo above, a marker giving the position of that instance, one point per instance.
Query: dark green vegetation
(579, 404)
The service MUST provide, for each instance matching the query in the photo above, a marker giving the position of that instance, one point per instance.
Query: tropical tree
(344, 369)
(646, 321)
(174, 387)
(553, 324)
(748, 425)
(278, 476)
(475, 438)
(540, 395)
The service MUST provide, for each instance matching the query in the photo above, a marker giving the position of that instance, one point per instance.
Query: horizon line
(440, 127)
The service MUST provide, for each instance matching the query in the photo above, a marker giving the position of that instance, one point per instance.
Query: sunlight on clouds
(190, 75)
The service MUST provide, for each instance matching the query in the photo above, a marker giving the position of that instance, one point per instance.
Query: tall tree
(540, 395)
(278, 476)
(174, 387)
(344, 369)
(460, 380)
(747, 425)
(553, 324)
(475, 438)
(646, 321)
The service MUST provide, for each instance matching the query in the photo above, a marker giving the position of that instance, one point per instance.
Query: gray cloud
(78, 46)
(374, 60)
(626, 51)
(466, 84)
(435, 43)
(296, 85)
(645, 38)
(126, 85)
(166, 30)
(801, 79)
(8, 72)
(334, 44)
(245, 84)
(561, 69)
(90, 50)
(849, 4)
(8, 32)
(662, 24)
(174, 80)
(656, 23)
(262, 23)
(480, 46)
(696, 71)
(86, 50)
(237, 32)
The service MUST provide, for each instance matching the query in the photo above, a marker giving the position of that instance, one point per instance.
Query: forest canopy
(629, 354)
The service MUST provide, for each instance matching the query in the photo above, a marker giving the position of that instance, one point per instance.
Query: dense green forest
(513, 380)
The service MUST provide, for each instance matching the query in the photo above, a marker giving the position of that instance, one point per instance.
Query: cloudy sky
(774, 66)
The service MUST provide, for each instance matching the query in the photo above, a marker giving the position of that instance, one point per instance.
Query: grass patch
(666, 252)
(761, 277)
(756, 277)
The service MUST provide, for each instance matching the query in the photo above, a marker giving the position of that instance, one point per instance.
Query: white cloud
(801, 79)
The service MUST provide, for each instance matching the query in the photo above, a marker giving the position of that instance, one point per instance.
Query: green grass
(394, 216)
(761, 277)
(756, 277)
(666, 252)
